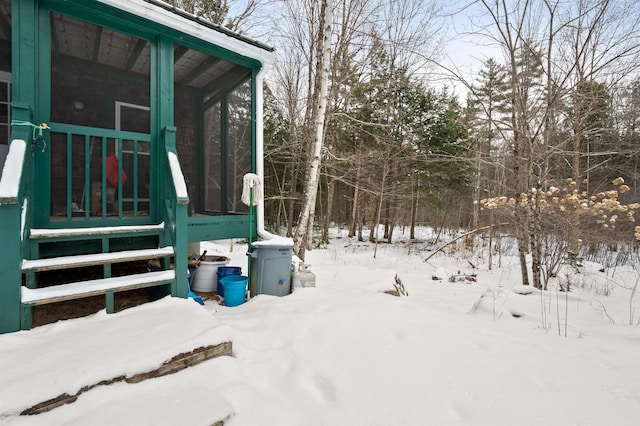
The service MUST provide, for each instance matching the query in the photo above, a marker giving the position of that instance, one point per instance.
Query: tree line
(559, 100)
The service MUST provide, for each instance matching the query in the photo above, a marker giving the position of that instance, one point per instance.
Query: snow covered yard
(346, 353)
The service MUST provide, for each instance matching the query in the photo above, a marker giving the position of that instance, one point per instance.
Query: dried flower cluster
(605, 205)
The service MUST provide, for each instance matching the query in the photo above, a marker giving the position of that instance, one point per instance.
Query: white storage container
(206, 276)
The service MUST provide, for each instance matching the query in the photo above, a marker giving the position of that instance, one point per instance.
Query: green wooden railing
(15, 219)
(95, 184)
(176, 213)
(16, 211)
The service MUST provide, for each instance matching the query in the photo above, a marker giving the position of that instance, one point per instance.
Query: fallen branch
(462, 236)
(462, 277)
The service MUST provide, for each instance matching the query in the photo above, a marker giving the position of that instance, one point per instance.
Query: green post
(181, 255)
(180, 204)
(250, 236)
(12, 249)
(10, 272)
(110, 302)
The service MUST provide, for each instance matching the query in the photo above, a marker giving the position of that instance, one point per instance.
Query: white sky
(466, 50)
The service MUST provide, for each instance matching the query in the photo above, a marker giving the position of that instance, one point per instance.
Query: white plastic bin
(206, 276)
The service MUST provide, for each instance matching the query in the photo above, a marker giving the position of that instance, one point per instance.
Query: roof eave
(179, 20)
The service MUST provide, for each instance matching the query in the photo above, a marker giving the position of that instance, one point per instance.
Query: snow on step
(93, 259)
(100, 230)
(93, 287)
(132, 341)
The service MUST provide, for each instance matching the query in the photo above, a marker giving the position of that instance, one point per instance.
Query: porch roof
(185, 22)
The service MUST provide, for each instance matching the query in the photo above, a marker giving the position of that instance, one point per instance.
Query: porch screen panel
(59, 143)
(97, 75)
(238, 145)
(213, 159)
(213, 118)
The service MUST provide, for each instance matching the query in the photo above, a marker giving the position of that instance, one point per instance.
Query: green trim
(253, 213)
(42, 160)
(162, 89)
(254, 120)
(99, 132)
(206, 228)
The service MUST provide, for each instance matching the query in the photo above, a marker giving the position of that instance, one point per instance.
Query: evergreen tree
(486, 110)
(214, 11)
(592, 125)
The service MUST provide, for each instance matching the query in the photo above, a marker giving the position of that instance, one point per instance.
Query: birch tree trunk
(304, 231)
(354, 207)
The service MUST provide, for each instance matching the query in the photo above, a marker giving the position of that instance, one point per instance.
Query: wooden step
(93, 259)
(97, 231)
(58, 293)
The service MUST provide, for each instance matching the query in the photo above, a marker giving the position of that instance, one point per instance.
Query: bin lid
(275, 243)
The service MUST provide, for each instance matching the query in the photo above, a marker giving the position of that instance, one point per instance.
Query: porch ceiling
(111, 48)
(85, 41)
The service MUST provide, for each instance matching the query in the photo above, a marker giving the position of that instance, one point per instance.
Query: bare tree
(303, 237)
(579, 43)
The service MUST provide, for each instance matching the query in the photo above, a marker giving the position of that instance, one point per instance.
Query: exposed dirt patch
(50, 313)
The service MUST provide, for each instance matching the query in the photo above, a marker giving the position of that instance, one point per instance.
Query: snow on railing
(23, 218)
(177, 177)
(12, 172)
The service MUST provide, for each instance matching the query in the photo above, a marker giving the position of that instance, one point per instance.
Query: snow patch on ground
(490, 352)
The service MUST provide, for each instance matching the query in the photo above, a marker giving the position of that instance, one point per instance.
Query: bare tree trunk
(414, 205)
(392, 225)
(387, 218)
(383, 182)
(281, 208)
(491, 236)
(511, 34)
(354, 208)
(536, 249)
(304, 232)
(292, 200)
(374, 228)
(331, 189)
(476, 188)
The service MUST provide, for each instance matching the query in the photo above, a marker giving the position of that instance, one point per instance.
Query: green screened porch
(152, 120)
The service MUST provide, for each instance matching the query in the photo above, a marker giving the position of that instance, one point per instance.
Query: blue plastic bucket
(224, 271)
(235, 287)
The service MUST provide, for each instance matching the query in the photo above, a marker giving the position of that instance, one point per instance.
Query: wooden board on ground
(177, 363)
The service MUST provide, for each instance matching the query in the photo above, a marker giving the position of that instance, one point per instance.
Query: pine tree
(487, 108)
(214, 11)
